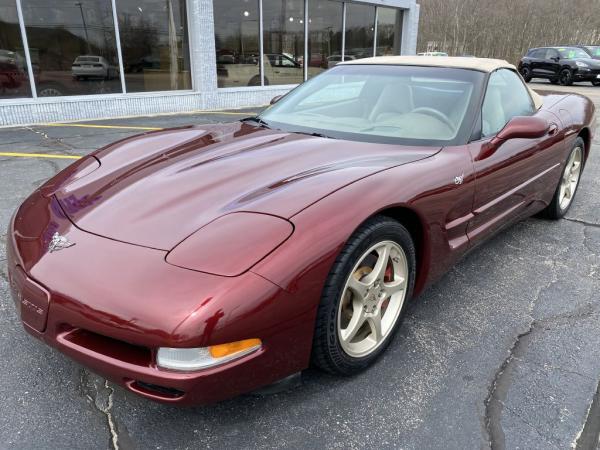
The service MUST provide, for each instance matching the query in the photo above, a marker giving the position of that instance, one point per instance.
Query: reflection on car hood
(158, 188)
(590, 62)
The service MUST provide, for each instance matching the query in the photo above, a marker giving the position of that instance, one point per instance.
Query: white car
(86, 66)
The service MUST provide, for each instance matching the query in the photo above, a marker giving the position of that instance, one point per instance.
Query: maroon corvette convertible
(194, 264)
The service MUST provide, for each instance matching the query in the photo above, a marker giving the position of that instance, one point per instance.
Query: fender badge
(459, 179)
(59, 242)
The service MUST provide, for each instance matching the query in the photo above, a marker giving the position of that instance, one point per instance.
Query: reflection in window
(325, 35)
(154, 43)
(14, 80)
(72, 46)
(236, 41)
(283, 41)
(360, 27)
(389, 31)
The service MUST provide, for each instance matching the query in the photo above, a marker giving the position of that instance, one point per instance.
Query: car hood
(590, 62)
(158, 188)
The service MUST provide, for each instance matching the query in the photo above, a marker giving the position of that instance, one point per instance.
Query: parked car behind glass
(92, 66)
(560, 65)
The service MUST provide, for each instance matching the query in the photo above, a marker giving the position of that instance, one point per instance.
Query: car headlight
(190, 359)
(582, 64)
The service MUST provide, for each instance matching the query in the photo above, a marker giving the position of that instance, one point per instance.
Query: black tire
(554, 211)
(526, 74)
(565, 78)
(596, 83)
(327, 353)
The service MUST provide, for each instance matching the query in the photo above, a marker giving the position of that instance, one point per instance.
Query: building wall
(205, 96)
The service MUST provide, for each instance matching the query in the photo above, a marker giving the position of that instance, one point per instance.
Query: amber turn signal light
(223, 350)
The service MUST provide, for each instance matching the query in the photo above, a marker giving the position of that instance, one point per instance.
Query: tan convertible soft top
(454, 62)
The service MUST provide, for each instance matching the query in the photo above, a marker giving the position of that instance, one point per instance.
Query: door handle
(553, 129)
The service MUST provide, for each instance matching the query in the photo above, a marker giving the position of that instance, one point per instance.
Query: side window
(506, 97)
(552, 53)
(539, 53)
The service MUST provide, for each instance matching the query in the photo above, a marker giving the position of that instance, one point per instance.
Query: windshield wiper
(257, 120)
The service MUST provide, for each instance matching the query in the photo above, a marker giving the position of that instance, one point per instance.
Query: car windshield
(572, 53)
(381, 103)
(594, 51)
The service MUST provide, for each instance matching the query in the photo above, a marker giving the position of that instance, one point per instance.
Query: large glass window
(237, 42)
(283, 41)
(389, 31)
(325, 35)
(14, 81)
(154, 43)
(72, 46)
(360, 28)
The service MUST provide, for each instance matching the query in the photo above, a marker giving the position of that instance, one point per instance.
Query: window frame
(477, 134)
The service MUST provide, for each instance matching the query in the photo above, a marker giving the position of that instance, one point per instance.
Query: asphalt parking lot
(504, 351)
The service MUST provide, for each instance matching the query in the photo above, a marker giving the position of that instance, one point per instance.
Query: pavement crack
(494, 403)
(583, 222)
(100, 394)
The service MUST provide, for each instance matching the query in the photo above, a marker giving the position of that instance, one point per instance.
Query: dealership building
(66, 60)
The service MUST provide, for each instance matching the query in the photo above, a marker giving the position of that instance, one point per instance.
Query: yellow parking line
(39, 155)
(79, 125)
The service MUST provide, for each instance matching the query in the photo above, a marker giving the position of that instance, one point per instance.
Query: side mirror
(520, 127)
(555, 59)
(523, 127)
(275, 99)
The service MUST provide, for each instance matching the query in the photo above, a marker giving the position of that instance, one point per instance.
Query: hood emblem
(59, 242)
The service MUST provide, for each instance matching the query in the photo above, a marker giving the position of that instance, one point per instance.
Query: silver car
(86, 66)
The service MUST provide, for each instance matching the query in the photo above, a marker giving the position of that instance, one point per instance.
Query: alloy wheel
(570, 178)
(372, 299)
(565, 78)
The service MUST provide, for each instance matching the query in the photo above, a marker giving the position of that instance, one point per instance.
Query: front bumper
(587, 75)
(110, 305)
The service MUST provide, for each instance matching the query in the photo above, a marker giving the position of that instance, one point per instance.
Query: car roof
(455, 62)
(487, 65)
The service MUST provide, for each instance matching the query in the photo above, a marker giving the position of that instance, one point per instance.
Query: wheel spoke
(356, 322)
(374, 322)
(378, 272)
(358, 287)
(394, 287)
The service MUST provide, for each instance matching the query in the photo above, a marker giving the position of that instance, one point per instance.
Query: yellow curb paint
(39, 155)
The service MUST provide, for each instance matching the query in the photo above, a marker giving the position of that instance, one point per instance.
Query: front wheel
(568, 184)
(364, 297)
(566, 77)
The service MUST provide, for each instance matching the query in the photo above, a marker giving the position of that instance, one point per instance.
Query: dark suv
(564, 65)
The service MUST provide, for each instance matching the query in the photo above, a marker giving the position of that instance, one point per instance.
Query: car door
(536, 61)
(551, 64)
(510, 180)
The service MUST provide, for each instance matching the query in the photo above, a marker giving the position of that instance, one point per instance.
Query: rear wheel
(526, 73)
(364, 297)
(566, 77)
(568, 184)
(596, 83)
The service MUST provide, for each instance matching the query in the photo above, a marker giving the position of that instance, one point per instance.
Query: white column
(410, 30)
